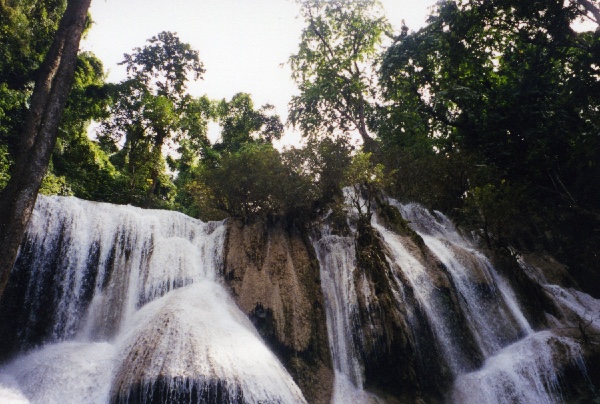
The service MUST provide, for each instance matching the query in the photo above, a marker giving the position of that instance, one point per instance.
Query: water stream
(119, 304)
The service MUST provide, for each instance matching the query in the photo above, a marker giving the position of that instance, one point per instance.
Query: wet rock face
(274, 278)
(384, 335)
(399, 350)
(535, 303)
(180, 390)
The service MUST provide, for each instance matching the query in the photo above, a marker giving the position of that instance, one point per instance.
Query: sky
(243, 44)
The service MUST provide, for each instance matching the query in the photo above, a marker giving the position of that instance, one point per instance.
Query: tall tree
(39, 133)
(512, 88)
(333, 66)
(27, 28)
(150, 104)
(509, 80)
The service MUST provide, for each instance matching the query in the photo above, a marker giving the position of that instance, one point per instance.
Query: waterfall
(120, 304)
(524, 372)
(517, 363)
(521, 365)
(484, 294)
(337, 262)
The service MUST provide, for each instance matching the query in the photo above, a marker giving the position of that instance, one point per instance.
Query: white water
(520, 366)
(198, 333)
(583, 305)
(484, 294)
(426, 293)
(524, 372)
(337, 262)
(137, 297)
(65, 372)
(151, 252)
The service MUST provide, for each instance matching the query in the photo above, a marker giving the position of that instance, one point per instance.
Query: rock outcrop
(274, 278)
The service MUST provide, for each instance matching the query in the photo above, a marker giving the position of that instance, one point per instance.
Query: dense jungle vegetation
(490, 113)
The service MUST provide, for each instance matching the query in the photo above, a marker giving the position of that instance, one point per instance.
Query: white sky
(244, 44)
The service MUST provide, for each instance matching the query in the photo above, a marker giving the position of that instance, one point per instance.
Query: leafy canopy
(333, 66)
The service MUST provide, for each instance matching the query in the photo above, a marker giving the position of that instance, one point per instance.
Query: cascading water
(484, 295)
(426, 292)
(519, 365)
(337, 262)
(125, 305)
(118, 304)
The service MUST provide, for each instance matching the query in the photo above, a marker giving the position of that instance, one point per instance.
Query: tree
(39, 133)
(27, 28)
(324, 163)
(77, 159)
(333, 66)
(512, 89)
(148, 111)
(241, 174)
(508, 80)
(163, 66)
(242, 124)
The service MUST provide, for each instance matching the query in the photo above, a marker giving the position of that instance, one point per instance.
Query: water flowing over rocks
(195, 345)
(118, 304)
(140, 293)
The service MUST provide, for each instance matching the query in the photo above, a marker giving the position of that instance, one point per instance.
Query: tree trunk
(159, 140)
(38, 137)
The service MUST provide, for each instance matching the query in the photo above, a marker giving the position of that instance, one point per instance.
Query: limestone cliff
(274, 278)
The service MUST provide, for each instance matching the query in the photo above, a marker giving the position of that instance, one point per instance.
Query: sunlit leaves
(333, 66)
(242, 124)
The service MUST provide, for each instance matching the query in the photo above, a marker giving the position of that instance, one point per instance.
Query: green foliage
(489, 113)
(191, 137)
(258, 180)
(437, 180)
(27, 28)
(151, 108)
(201, 164)
(511, 82)
(242, 124)
(27, 31)
(324, 163)
(494, 104)
(163, 66)
(367, 180)
(53, 185)
(254, 181)
(4, 166)
(78, 161)
(12, 113)
(497, 211)
(87, 170)
(333, 66)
